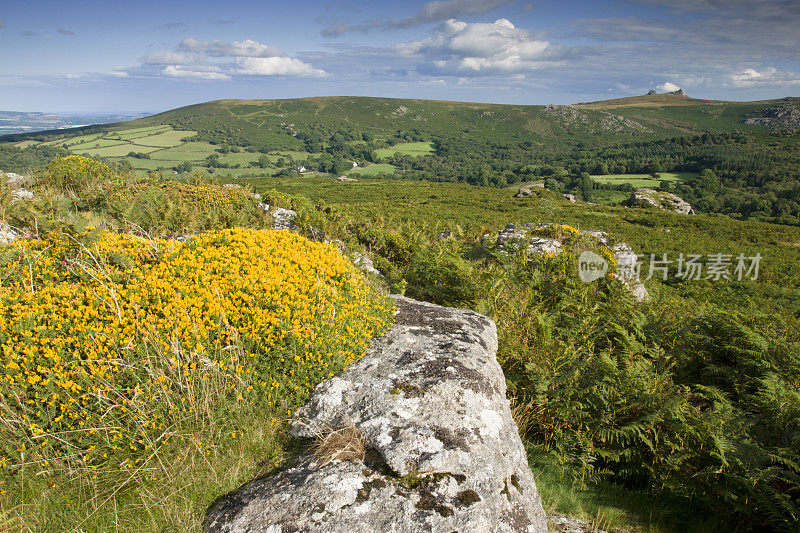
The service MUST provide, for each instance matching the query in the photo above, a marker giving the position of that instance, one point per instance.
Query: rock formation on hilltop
(441, 451)
(783, 117)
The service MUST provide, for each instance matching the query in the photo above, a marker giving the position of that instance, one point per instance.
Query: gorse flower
(104, 345)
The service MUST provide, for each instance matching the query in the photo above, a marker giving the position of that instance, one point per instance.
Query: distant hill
(24, 122)
(277, 122)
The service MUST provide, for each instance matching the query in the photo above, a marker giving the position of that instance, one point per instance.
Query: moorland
(678, 413)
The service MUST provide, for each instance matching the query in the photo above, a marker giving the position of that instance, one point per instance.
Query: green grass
(601, 505)
(171, 494)
(473, 211)
(25, 144)
(373, 169)
(242, 158)
(174, 154)
(413, 149)
(166, 139)
(195, 146)
(117, 150)
(152, 164)
(643, 180)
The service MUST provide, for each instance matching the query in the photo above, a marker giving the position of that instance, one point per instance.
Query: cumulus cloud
(750, 77)
(169, 57)
(484, 48)
(436, 11)
(174, 71)
(221, 60)
(65, 31)
(668, 86)
(246, 48)
(275, 66)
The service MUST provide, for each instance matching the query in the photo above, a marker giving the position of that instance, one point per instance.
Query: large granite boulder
(442, 451)
(659, 199)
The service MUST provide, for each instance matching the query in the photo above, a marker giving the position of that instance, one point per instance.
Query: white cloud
(221, 60)
(176, 71)
(246, 48)
(435, 11)
(750, 77)
(169, 57)
(275, 66)
(485, 48)
(668, 86)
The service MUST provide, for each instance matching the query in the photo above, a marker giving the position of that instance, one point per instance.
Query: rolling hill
(276, 121)
(751, 146)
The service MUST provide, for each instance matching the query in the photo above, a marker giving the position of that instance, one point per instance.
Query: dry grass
(523, 414)
(344, 442)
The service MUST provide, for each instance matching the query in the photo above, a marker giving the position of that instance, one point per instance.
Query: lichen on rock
(443, 453)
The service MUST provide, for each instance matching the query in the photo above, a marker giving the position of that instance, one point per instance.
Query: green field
(412, 149)
(373, 169)
(644, 180)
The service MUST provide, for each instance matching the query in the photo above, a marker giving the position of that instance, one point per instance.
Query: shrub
(76, 174)
(163, 343)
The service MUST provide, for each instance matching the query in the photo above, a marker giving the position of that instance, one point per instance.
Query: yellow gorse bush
(109, 346)
(76, 173)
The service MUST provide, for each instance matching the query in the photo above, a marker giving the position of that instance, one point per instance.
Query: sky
(106, 56)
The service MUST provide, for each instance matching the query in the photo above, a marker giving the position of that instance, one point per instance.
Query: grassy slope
(475, 210)
(273, 121)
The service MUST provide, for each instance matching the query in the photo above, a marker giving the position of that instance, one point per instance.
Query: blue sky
(102, 57)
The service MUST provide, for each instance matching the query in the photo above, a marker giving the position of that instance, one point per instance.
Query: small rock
(528, 190)
(281, 218)
(570, 197)
(22, 194)
(364, 262)
(7, 235)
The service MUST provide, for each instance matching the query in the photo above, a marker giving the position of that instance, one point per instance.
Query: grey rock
(7, 235)
(627, 271)
(181, 238)
(564, 524)
(542, 245)
(570, 197)
(22, 194)
(364, 262)
(281, 218)
(528, 190)
(14, 180)
(601, 236)
(442, 235)
(443, 454)
(514, 237)
(646, 197)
